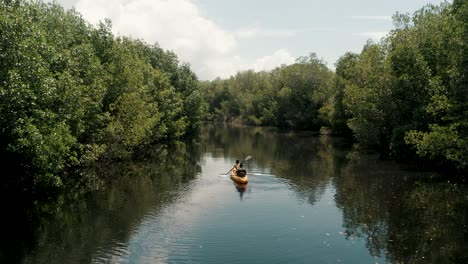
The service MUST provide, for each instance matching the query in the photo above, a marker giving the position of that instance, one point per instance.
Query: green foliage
(439, 119)
(367, 90)
(289, 96)
(441, 142)
(408, 93)
(310, 82)
(71, 94)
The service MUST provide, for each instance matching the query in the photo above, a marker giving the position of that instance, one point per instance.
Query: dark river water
(310, 199)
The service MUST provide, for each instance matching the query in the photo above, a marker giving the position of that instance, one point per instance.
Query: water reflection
(307, 161)
(240, 188)
(166, 201)
(74, 230)
(434, 228)
(402, 216)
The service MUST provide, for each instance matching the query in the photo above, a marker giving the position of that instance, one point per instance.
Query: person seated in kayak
(241, 172)
(235, 167)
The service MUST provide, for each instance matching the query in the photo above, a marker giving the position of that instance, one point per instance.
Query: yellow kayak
(237, 179)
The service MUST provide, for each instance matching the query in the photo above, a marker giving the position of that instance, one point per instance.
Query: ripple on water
(267, 181)
(113, 253)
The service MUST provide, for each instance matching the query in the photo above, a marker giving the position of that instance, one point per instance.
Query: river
(310, 199)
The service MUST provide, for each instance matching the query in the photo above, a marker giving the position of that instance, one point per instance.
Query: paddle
(244, 160)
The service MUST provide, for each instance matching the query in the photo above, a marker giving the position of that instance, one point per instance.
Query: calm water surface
(310, 199)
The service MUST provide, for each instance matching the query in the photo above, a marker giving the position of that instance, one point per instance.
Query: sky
(218, 38)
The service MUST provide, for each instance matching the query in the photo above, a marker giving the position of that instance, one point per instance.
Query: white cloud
(270, 62)
(385, 18)
(180, 25)
(372, 35)
(229, 66)
(177, 25)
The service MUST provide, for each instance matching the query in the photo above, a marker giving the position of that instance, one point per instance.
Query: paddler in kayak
(239, 176)
(234, 168)
(241, 172)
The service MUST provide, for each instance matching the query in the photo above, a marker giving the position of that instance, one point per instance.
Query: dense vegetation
(289, 96)
(406, 95)
(71, 94)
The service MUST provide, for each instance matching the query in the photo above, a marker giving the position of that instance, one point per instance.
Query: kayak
(239, 180)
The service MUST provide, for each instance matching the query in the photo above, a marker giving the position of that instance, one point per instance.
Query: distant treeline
(406, 95)
(72, 94)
